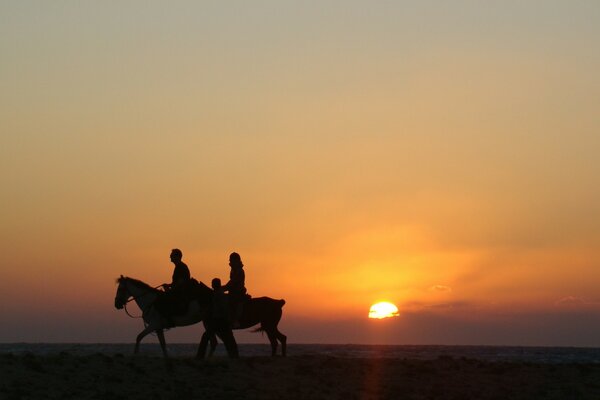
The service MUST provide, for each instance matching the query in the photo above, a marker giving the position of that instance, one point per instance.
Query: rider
(173, 301)
(236, 288)
(181, 273)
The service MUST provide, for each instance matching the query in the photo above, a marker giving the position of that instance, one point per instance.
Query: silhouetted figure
(236, 288)
(217, 323)
(220, 306)
(246, 313)
(174, 300)
(181, 273)
(146, 297)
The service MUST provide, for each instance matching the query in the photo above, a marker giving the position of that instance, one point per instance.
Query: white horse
(145, 296)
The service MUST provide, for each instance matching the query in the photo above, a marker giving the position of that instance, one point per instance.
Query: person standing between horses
(220, 305)
(173, 300)
(236, 288)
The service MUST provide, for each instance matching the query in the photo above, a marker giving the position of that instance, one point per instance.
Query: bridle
(132, 299)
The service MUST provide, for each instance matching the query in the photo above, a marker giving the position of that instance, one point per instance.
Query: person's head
(235, 261)
(176, 255)
(216, 283)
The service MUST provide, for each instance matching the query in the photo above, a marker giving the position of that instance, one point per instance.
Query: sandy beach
(100, 376)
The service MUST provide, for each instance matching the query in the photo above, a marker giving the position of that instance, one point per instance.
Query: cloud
(454, 304)
(573, 301)
(439, 307)
(440, 288)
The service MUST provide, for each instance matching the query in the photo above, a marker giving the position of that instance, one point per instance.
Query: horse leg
(213, 344)
(283, 339)
(230, 344)
(161, 338)
(273, 339)
(203, 343)
(226, 334)
(139, 338)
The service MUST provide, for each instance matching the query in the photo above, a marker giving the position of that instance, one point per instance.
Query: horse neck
(203, 292)
(143, 297)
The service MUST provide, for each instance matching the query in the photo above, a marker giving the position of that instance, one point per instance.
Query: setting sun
(383, 310)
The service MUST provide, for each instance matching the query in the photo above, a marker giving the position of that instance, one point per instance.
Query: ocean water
(488, 353)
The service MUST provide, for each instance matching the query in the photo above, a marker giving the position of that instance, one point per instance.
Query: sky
(438, 155)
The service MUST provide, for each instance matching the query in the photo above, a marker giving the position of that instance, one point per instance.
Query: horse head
(129, 287)
(122, 294)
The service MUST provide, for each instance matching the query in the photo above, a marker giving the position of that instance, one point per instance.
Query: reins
(131, 316)
(135, 298)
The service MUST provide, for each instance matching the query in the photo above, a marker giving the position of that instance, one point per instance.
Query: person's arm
(236, 280)
(231, 284)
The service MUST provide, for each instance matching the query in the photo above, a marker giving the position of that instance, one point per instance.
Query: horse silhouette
(145, 297)
(260, 310)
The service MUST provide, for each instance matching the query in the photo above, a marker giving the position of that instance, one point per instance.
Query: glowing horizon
(441, 157)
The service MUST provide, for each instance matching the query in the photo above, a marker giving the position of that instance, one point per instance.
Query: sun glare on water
(383, 310)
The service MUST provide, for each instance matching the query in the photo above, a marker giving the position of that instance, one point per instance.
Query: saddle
(176, 301)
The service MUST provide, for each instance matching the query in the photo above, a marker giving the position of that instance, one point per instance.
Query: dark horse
(199, 305)
(260, 310)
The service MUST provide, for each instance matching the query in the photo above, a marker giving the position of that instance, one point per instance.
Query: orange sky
(443, 158)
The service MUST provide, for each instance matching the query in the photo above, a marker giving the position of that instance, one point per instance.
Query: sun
(383, 309)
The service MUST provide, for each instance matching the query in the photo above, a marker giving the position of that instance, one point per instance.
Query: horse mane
(204, 286)
(136, 282)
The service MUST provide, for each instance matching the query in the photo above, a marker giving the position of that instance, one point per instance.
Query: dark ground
(65, 376)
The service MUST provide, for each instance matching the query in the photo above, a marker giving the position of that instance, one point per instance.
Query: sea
(551, 355)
